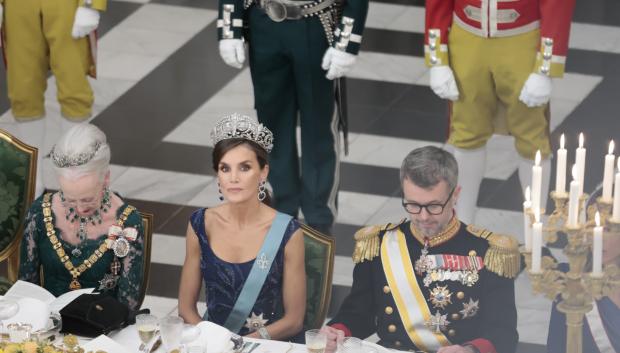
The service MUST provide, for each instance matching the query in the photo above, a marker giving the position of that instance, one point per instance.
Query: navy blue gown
(224, 280)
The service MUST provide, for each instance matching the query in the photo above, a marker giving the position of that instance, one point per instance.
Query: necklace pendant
(76, 252)
(121, 247)
(75, 284)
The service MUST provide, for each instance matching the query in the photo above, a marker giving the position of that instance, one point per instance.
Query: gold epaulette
(502, 257)
(367, 242)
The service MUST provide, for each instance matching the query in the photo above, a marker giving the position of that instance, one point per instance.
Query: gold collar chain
(451, 230)
(60, 251)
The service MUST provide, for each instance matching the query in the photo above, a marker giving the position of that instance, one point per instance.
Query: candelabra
(577, 287)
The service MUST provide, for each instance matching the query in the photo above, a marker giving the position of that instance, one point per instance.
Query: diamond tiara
(65, 161)
(244, 127)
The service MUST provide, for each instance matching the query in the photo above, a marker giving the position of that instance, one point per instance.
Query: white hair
(82, 140)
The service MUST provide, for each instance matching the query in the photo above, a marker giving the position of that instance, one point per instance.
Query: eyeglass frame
(425, 206)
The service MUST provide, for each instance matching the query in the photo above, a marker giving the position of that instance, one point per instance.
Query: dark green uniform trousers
(289, 84)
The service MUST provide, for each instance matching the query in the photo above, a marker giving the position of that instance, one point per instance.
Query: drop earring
(261, 191)
(219, 190)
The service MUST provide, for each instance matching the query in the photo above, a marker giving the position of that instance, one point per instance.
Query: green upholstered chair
(147, 223)
(18, 168)
(320, 251)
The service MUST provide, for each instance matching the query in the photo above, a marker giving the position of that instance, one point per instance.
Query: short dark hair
(427, 166)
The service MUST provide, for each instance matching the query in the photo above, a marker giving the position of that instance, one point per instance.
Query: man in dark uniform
(431, 283)
(297, 48)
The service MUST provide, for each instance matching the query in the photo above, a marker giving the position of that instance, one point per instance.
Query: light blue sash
(258, 274)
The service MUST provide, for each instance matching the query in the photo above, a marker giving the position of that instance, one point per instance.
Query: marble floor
(162, 85)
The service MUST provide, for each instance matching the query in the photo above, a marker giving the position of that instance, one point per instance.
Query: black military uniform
(471, 303)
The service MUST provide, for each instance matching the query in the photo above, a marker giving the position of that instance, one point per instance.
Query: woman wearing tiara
(250, 256)
(83, 236)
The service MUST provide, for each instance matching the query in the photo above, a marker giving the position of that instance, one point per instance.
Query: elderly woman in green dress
(83, 235)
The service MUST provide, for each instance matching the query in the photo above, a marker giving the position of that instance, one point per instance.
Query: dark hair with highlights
(224, 146)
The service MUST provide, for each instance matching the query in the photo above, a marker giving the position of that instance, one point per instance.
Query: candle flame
(562, 141)
(597, 219)
(537, 160)
(581, 140)
(611, 147)
(574, 170)
(528, 192)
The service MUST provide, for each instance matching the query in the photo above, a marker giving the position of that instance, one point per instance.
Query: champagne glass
(8, 309)
(316, 341)
(171, 328)
(147, 326)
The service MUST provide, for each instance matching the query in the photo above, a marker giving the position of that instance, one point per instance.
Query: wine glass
(8, 309)
(171, 328)
(147, 326)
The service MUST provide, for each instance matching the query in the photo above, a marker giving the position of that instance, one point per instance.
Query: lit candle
(597, 247)
(536, 181)
(608, 173)
(580, 160)
(573, 200)
(536, 243)
(560, 173)
(616, 212)
(527, 228)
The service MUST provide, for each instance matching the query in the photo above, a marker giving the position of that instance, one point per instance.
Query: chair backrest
(147, 223)
(319, 252)
(18, 168)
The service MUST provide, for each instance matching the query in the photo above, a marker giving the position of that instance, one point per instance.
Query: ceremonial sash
(258, 274)
(598, 331)
(410, 301)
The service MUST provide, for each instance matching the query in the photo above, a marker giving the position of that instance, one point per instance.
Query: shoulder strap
(258, 273)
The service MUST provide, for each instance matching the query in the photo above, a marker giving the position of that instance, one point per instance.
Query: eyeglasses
(431, 208)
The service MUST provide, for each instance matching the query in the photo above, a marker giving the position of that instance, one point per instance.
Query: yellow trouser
(490, 72)
(38, 37)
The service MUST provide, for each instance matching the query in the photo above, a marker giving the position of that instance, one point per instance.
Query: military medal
(108, 282)
(422, 264)
(254, 322)
(438, 322)
(470, 309)
(440, 297)
(470, 278)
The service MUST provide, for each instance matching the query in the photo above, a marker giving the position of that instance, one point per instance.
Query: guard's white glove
(337, 63)
(232, 52)
(443, 82)
(86, 21)
(536, 90)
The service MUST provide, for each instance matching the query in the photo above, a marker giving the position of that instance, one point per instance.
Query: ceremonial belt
(410, 301)
(280, 10)
(598, 331)
(258, 274)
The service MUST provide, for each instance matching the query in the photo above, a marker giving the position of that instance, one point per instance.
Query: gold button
(386, 289)
(392, 328)
(451, 333)
(472, 253)
(389, 310)
(460, 295)
(397, 344)
(456, 316)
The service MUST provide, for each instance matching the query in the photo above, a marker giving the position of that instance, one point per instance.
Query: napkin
(104, 343)
(31, 311)
(215, 337)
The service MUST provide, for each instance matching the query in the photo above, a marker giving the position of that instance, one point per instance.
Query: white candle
(597, 247)
(527, 228)
(616, 212)
(573, 200)
(536, 181)
(560, 173)
(536, 243)
(580, 160)
(608, 173)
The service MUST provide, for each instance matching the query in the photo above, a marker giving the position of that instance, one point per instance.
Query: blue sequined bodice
(224, 280)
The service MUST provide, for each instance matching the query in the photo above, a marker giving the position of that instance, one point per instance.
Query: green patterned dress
(38, 258)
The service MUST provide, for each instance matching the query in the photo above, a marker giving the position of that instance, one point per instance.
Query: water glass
(171, 328)
(315, 341)
(350, 345)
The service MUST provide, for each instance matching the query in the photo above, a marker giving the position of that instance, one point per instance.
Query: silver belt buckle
(278, 10)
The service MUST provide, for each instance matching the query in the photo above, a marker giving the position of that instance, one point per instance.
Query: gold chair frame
(147, 223)
(326, 294)
(11, 252)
